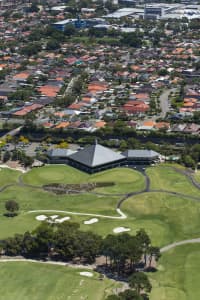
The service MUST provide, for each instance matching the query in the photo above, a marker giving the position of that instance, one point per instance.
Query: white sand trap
(91, 221)
(62, 220)
(54, 217)
(87, 274)
(41, 218)
(3, 166)
(120, 229)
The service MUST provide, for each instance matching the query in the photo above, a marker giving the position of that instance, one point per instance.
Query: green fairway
(54, 173)
(156, 212)
(166, 218)
(126, 180)
(34, 281)
(36, 199)
(166, 178)
(177, 217)
(178, 276)
(8, 176)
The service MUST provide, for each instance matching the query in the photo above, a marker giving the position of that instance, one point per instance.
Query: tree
(52, 44)
(69, 30)
(145, 242)
(153, 251)
(12, 207)
(6, 156)
(88, 245)
(62, 145)
(34, 8)
(13, 246)
(140, 282)
(44, 237)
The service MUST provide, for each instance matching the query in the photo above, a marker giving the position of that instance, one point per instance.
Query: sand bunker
(87, 274)
(120, 229)
(3, 166)
(41, 218)
(54, 217)
(62, 220)
(91, 221)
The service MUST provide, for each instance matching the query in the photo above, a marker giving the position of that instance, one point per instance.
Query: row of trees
(67, 242)
(139, 286)
(17, 155)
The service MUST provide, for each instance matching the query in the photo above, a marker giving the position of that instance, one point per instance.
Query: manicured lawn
(178, 276)
(23, 280)
(197, 176)
(166, 178)
(54, 174)
(166, 218)
(8, 176)
(126, 180)
(36, 199)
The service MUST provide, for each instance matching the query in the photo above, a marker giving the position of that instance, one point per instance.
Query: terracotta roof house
(26, 110)
(135, 107)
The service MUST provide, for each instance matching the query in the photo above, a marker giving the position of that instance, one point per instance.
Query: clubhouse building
(96, 158)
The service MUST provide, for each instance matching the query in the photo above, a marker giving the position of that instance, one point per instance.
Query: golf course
(163, 199)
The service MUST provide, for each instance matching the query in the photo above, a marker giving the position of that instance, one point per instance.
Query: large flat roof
(140, 153)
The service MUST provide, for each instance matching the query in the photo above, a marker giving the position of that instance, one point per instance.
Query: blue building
(79, 23)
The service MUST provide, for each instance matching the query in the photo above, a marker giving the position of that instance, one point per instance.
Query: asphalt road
(164, 102)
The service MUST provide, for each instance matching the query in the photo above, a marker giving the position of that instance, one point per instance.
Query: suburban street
(164, 103)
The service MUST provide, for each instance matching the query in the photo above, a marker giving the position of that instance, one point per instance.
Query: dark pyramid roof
(96, 155)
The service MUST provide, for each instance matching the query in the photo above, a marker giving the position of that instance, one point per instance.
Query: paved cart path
(184, 242)
(118, 210)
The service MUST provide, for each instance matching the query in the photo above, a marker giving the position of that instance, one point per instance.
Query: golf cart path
(184, 242)
(58, 263)
(118, 210)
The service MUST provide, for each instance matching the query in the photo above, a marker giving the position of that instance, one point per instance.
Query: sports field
(168, 209)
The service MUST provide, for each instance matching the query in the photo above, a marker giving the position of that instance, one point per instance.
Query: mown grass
(178, 274)
(8, 176)
(177, 217)
(166, 178)
(125, 180)
(34, 281)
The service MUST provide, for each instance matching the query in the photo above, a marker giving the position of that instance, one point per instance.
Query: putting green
(167, 178)
(126, 180)
(54, 173)
(34, 281)
(178, 276)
